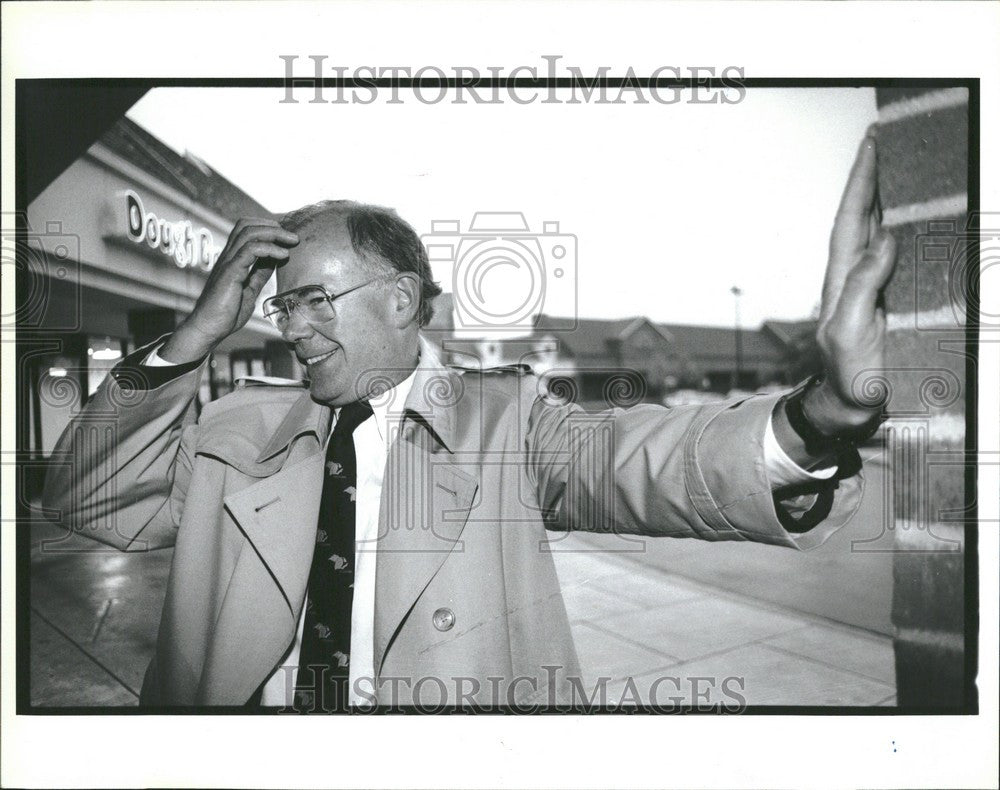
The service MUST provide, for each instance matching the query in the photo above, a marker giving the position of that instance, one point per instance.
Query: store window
(220, 375)
(205, 387)
(103, 353)
(247, 362)
(63, 381)
(57, 395)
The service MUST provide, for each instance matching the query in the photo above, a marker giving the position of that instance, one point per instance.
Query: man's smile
(320, 357)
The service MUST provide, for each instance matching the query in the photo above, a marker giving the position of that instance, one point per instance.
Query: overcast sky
(670, 205)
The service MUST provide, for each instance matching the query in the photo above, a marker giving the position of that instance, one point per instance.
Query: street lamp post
(738, 375)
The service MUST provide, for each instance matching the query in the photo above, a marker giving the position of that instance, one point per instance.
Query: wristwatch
(817, 443)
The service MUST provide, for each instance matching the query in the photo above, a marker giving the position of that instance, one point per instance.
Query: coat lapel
(278, 519)
(278, 516)
(426, 498)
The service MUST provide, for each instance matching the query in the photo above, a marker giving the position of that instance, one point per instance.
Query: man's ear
(406, 299)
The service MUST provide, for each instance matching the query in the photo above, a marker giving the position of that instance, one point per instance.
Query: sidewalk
(632, 619)
(94, 616)
(95, 611)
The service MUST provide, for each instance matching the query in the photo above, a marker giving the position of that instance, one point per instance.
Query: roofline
(628, 329)
(632, 327)
(103, 155)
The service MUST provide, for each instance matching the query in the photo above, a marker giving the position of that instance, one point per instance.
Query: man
(403, 557)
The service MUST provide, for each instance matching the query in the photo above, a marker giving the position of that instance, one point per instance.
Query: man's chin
(329, 394)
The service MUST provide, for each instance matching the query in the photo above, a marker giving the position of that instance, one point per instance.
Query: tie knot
(351, 416)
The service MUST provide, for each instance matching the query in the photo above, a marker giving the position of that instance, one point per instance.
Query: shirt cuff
(154, 360)
(783, 471)
(144, 369)
(727, 480)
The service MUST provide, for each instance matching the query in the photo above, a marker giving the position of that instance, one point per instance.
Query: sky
(662, 209)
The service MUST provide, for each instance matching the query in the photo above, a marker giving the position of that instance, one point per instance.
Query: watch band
(818, 443)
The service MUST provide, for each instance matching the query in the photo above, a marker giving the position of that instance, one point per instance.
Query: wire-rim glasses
(313, 302)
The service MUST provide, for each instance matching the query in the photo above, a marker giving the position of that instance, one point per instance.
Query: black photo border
(48, 115)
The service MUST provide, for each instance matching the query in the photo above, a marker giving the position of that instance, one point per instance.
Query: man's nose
(297, 328)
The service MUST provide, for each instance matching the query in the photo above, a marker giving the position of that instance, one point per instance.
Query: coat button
(443, 619)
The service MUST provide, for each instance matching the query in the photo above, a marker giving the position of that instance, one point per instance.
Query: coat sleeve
(690, 471)
(120, 470)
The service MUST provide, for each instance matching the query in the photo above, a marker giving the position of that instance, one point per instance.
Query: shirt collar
(389, 405)
(431, 392)
(428, 392)
(434, 394)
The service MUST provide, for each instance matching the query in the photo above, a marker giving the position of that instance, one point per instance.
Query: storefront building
(117, 250)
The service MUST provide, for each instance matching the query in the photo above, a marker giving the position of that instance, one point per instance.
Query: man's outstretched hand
(851, 332)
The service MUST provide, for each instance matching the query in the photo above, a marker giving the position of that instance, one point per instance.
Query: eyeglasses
(313, 302)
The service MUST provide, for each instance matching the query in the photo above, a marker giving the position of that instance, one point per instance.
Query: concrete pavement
(94, 615)
(680, 638)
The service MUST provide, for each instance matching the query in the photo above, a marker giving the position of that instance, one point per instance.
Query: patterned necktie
(324, 662)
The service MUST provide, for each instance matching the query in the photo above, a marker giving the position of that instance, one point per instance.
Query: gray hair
(380, 236)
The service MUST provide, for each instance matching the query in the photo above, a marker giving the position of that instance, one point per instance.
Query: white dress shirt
(371, 446)
(372, 440)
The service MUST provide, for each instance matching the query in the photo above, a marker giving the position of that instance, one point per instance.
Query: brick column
(923, 166)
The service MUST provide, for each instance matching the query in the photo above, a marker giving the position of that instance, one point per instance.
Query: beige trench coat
(482, 465)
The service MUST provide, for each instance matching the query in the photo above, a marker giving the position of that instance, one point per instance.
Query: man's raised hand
(851, 332)
(253, 250)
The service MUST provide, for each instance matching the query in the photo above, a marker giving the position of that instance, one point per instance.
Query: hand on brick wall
(852, 325)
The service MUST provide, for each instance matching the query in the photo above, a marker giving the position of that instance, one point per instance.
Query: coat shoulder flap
(237, 427)
(492, 396)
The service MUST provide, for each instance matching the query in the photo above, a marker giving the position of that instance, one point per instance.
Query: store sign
(180, 240)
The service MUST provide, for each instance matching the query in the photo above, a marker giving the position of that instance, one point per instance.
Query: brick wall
(923, 164)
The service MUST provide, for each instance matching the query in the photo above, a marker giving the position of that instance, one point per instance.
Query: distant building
(466, 352)
(710, 356)
(597, 352)
(789, 333)
(645, 357)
